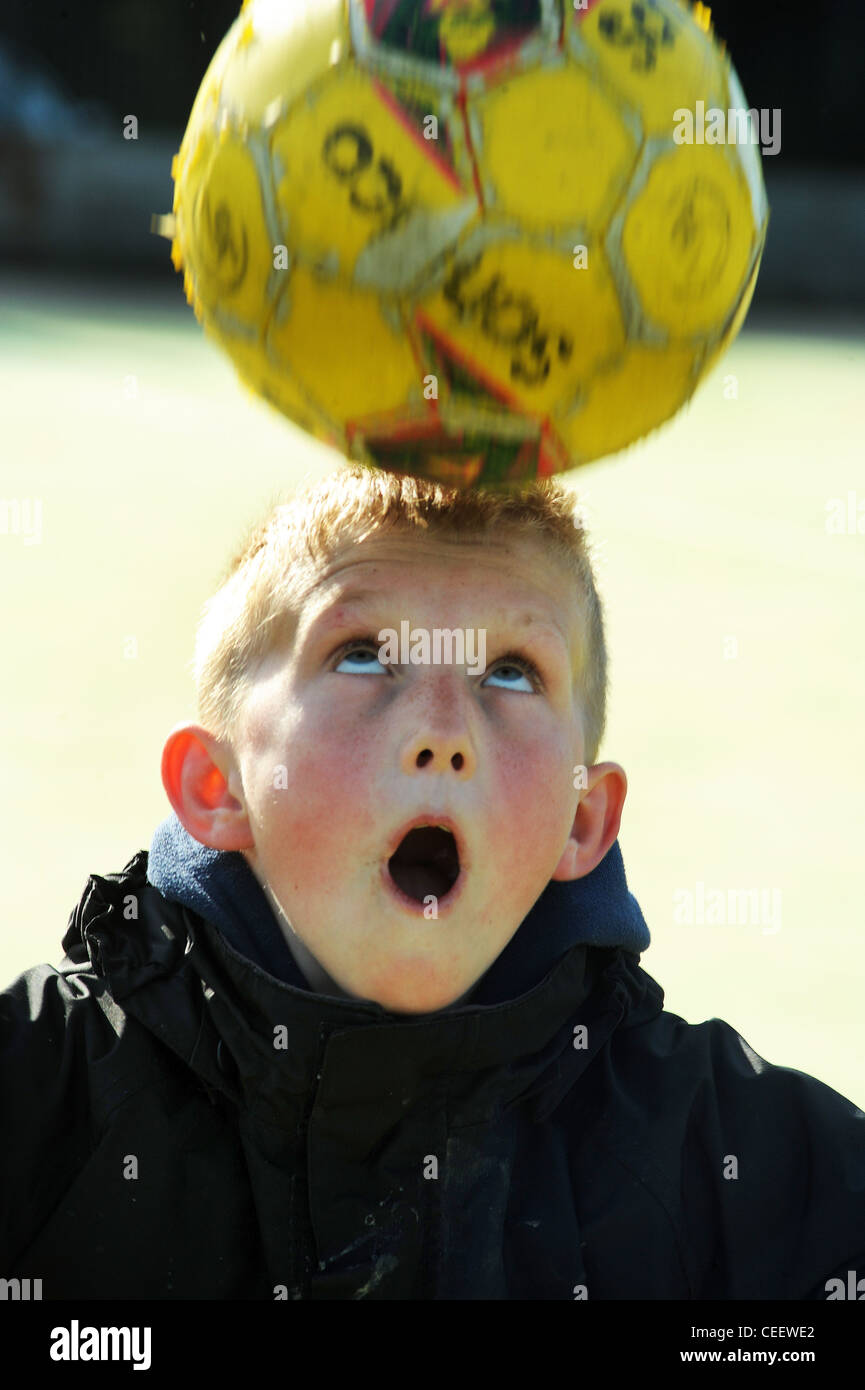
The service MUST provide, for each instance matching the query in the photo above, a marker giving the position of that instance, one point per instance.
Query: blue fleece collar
(597, 910)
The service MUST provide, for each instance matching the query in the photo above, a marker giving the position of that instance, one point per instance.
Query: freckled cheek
(318, 801)
(532, 808)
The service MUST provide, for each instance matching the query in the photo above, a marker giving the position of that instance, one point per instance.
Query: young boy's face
(336, 755)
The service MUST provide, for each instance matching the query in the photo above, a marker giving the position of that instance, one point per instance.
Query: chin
(416, 997)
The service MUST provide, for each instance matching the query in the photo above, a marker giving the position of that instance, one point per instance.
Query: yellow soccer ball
(470, 239)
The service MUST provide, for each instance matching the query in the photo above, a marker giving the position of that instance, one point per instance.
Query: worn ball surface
(460, 238)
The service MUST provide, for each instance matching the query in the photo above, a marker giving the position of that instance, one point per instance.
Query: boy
(307, 1048)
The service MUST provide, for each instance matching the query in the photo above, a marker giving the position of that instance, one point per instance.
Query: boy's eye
(353, 652)
(361, 655)
(516, 666)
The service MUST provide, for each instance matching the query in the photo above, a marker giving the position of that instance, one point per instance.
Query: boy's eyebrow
(354, 605)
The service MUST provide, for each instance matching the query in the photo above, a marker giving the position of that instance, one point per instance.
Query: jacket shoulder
(761, 1166)
(68, 1054)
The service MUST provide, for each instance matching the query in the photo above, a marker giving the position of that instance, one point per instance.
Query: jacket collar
(268, 1044)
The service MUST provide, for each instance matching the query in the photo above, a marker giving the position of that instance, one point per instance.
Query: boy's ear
(596, 824)
(200, 781)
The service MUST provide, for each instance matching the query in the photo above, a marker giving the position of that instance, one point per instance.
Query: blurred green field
(735, 623)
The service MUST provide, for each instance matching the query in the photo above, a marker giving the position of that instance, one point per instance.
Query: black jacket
(179, 1123)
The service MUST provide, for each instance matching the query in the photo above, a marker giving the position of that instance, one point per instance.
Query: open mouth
(426, 862)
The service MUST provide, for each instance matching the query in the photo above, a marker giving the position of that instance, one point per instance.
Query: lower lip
(418, 909)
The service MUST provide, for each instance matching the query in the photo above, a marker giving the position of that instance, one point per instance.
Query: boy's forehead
(510, 563)
(511, 570)
(438, 549)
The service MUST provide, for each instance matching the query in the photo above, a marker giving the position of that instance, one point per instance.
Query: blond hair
(262, 589)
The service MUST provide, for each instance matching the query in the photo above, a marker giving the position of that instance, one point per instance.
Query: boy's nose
(438, 733)
(439, 749)
(440, 755)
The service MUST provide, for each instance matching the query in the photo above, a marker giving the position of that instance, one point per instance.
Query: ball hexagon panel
(644, 387)
(552, 148)
(229, 257)
(515, 313)
(652, 54)
(342, 346)
(688, 239)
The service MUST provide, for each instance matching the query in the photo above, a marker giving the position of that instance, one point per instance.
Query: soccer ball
(461, 238)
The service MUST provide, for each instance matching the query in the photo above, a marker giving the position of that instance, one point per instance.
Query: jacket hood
(192, 976)
(597, 910)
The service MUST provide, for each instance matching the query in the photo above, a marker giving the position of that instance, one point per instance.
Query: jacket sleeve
(51, 1032)
(785, 1195)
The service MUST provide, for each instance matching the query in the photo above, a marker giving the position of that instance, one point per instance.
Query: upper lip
(432, 818)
